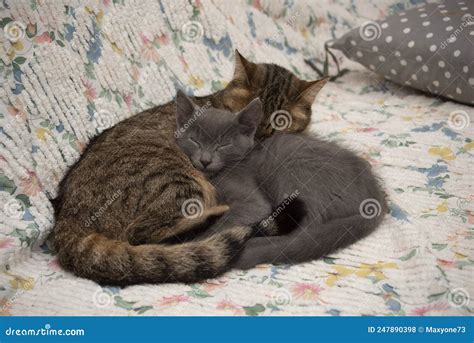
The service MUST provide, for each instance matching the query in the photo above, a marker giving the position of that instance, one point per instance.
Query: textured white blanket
(70, 69)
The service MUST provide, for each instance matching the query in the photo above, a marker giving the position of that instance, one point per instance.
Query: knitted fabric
(70, 69)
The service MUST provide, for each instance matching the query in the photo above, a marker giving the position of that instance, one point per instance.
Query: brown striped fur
(121, 202)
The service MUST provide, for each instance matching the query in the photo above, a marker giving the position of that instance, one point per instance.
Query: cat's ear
(309, 89)
(301, 105)
(243, 69)
(249, 118)
(184, 108)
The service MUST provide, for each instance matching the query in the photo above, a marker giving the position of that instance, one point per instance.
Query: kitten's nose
(205, 159)
(205, 162)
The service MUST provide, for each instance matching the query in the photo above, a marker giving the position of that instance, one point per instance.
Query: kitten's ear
(243, 68)
(249, 118)
(309, 89)
(184, 108)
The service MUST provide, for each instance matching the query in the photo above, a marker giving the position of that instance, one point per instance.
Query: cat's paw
(216, 211)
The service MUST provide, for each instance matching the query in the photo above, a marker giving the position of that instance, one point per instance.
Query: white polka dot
(422, 15)
(414, 77)
(458, 90)
(404, 20)
(393, 71)
(433, 48)
(384, 25)
(429, 35)
(397, 53)
(436, 83)
(465, 69)
(447, 75)
(449, 28)
(419, 58)
(461, 3)
(371, 66)
(403, 62)
(421, 9)
(471, 81)
(411, 44)
(441, 6)
(406, 30)
(375, 48)
(426, 23)
(359, 54)
(407, 83)
(381, 59)
(425, 68)
(353, 42)
(464, 8)
(388, 39)
(441, 64)
(401, 13)
(471, 33)
(388, 77)
(452, 39)
(457, 53)
(446, 19)
(444, 11)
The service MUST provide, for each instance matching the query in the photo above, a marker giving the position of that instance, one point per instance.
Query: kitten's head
(213, 138)
(280, 91)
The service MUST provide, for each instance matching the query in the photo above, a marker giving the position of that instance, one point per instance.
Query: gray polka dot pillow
(430, 48)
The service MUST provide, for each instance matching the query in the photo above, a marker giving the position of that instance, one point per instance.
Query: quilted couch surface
(70, 69)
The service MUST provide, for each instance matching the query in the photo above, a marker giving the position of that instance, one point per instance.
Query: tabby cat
(119, 207)
(341, 194)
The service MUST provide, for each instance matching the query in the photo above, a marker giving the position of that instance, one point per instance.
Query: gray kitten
(343, 200)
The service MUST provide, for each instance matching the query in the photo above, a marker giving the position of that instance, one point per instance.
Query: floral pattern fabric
(70, 69)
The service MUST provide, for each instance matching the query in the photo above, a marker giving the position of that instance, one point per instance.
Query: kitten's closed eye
(221, 147)
(196, 143)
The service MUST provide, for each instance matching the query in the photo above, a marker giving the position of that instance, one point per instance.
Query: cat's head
(280, 91)
(214, 138)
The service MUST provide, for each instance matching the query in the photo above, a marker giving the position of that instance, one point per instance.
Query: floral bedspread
(70, 69)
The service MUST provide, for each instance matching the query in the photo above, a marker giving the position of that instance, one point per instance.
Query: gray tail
(307, 242)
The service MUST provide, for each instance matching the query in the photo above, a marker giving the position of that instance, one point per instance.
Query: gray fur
(255, 177)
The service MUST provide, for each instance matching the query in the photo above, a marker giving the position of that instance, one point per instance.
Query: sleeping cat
(121, 204)
(343, 199)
